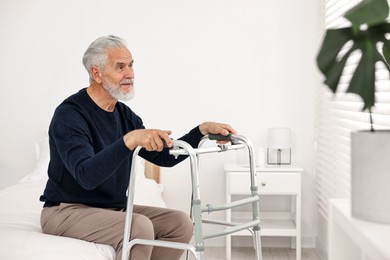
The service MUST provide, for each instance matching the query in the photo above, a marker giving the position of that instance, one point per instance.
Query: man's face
(118, 75)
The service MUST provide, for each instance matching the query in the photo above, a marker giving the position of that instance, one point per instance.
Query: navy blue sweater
(89, 161)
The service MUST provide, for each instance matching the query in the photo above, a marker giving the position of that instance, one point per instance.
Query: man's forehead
(119, 55)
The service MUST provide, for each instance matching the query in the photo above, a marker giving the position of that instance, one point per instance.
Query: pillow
(42, 157)
(148, 193)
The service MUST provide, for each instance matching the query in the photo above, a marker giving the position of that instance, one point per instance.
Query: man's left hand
(217, 128)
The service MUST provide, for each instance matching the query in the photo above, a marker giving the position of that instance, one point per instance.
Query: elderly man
(92, 137)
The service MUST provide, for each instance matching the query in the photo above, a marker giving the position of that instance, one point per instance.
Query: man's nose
(129, 72)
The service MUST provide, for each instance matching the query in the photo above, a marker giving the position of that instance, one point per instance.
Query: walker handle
(220, 137)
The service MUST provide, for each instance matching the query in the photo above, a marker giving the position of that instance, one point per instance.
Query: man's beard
(116, 91)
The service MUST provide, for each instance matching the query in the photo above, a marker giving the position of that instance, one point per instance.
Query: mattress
(21, 236)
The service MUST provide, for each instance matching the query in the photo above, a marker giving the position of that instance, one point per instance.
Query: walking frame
(183, 148)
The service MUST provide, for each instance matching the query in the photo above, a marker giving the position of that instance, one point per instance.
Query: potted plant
(370, 149)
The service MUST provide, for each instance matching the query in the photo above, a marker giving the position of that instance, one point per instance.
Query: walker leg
(198, 230)
(200, 255)
(257, 244)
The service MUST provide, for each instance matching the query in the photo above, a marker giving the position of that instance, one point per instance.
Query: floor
(218, 253)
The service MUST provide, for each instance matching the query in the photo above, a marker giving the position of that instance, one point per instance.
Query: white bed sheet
(21, 236)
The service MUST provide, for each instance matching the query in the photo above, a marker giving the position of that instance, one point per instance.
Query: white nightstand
(272, 180)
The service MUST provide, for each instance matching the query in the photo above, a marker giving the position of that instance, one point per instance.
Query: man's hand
(150, 139)
(216, 128)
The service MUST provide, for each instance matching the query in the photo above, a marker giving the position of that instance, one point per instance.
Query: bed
(21, 236)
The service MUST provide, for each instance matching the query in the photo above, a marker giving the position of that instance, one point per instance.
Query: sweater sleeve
(79, 152)
(164, 158)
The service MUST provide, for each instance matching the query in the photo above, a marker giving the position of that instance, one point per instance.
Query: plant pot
(370, 176)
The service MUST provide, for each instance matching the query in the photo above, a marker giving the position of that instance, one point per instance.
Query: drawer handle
(263, 184)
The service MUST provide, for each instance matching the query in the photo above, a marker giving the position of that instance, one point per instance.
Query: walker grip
(219, 137)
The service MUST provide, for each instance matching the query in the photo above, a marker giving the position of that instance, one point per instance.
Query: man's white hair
(96, 54)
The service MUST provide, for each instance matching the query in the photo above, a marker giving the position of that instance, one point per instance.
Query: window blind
(340, 114)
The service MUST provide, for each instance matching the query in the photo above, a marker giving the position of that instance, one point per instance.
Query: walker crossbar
(235, 226)
(219, 148)
(227, 231)
(225, 223)
(160, 243)
(183, 148)
(219, 222)
(209, 208)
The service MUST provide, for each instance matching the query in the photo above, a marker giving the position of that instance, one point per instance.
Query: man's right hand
(150, 139)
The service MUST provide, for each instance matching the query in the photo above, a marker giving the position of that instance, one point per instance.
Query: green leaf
(386, 50)
(334, 40)
(334, 73)
(331, 63)
(370, 12)
(363, 79)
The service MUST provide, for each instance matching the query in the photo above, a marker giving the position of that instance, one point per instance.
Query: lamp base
(278, 156)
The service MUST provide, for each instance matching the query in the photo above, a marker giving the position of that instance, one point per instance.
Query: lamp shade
(279, 138)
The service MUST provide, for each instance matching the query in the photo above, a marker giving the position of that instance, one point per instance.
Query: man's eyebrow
(121, 63)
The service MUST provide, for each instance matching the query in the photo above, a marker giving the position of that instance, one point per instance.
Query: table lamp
(279, 147)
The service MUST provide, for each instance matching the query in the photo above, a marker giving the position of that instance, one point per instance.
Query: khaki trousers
(106, 226)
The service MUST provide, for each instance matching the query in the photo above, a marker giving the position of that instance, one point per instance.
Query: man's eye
(120, 67)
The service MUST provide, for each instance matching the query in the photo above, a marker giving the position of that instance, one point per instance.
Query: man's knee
(183, 226)
(141, 227)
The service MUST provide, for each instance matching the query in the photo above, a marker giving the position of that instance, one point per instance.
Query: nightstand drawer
(268, 182)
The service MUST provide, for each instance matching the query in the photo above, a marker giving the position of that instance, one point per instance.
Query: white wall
(249, 63)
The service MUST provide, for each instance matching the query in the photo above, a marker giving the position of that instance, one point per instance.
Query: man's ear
(96, 74)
